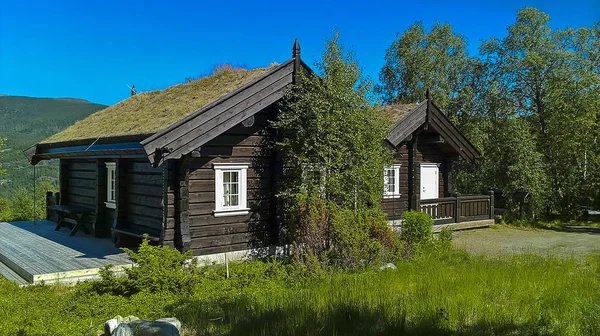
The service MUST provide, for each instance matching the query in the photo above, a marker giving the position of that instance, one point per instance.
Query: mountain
(25, 121)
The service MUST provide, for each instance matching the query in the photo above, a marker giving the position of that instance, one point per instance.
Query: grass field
(575, 241)
(441, 291)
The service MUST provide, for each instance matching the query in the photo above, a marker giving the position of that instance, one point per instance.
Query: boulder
(166, 327)
(387, 266)
(174, 321)
(112, 324)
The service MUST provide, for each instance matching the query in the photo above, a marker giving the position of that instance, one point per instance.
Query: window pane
(234, 200)
(226, 176)
(226, 189)
(234, 176)
(234, 188)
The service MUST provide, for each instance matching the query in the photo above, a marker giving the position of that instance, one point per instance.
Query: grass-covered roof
(395, 112)
(150, 112)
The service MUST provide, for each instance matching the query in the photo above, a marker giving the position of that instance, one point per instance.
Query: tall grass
(438, 292)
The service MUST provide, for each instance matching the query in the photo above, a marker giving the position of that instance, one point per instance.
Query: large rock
(113, 323)
(162, 327)
(171, 320)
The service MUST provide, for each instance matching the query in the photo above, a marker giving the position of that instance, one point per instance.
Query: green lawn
(440, 291)
(575, 241)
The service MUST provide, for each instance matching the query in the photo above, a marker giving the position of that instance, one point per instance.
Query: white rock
(386, 266)
(111, 325)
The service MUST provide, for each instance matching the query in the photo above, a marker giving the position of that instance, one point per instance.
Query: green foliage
(21, 206)
(438, 60)
(416, 230)
(329, 127)
(329, 235)
(444, 238)
(156, 269)
(5, 210)
(2, 171)
(360, 238)
(552, 86)
(331, 141)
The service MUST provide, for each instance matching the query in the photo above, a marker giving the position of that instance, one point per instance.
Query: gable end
(184, 136)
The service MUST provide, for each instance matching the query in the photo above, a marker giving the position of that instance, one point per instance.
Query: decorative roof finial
(133, 90)
(427, 94)
(296, 49)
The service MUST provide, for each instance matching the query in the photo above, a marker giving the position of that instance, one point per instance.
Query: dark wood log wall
(78, 185)
(143, 196)
(240, 144)
(394, 207)
(140, 193)
(426, 153)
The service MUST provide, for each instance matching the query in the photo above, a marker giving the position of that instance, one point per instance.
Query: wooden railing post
(457, 211)
(57, 199)
(50, 200)
(491, 204)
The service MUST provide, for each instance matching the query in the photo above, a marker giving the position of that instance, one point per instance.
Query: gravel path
(579, 242)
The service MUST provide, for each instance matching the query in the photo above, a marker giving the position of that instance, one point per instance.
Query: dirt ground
(578, 242)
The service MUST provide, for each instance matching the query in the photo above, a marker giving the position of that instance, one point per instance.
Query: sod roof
(150, 112)
(396, 112)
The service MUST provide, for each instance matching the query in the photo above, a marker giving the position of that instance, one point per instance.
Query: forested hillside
(25, 121)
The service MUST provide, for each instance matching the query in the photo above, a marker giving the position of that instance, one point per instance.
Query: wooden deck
(31, 253)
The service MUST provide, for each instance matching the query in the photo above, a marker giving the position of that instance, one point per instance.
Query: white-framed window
(391, 181)
(111, 185)
(231, 189)
(313, 175)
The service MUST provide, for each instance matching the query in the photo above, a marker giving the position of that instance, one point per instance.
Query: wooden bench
(73, 215)
(122, 235)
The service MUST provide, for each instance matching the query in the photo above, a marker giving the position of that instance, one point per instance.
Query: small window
(313, 176)
(391, 181)
(230, 189)
(111, 185)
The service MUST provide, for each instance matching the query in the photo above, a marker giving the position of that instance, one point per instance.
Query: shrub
(360, 238)
(155, 269)
(21, 205)
(5, 210)
(309, 226)
(416, 230)
(444, 238)
(331, 235)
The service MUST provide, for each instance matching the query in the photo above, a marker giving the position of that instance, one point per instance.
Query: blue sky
(93, 49)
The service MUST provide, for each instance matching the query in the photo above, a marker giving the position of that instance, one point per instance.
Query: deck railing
(459, 209)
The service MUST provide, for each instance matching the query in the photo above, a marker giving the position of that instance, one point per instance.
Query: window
(391, 181)
(230, 189)
(313, 175)
(111, 185)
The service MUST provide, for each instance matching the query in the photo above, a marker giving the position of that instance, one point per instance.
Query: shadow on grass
(242, 318)
(575, 229)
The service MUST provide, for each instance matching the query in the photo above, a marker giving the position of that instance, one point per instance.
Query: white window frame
(242, 207)
(396, 169)
(110, 202)
(315, 167)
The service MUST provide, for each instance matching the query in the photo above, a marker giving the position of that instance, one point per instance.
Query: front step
(11, 275)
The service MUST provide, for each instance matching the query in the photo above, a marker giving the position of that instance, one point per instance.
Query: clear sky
(93, 49)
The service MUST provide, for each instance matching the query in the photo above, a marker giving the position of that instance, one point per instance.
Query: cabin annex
(191, 166)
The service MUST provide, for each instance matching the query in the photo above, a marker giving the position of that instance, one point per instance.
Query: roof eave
(106, 146)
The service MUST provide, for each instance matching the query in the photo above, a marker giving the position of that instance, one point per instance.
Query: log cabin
(192, 166)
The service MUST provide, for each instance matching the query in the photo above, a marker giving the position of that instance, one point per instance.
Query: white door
(429, 181)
